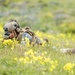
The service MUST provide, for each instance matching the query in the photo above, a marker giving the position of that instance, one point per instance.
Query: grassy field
(52, 19)
(18, 59)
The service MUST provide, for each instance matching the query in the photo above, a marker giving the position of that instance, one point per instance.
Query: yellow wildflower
(72, 72)
(68, 67)
(51, 62)
(43, 44)
(1, 27)
(27, 42)
(15, 59)
(51, 69)
(21, 59)
(8, 42)
(53, 66)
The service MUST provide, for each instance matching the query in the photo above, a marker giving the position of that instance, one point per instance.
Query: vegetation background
(44, 15)
(53, 19)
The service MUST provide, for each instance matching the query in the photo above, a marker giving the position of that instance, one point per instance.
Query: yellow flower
(40, 58)
(1, 39)
(53, 66)
(8, 42)
(46, 60)
(30, 52)
(41, 62)
(51, 69)
(27, 58)
(43, 44)
(72, 72)
(21, 59)
(0, 35)
(1, 27)
(15, 59)
(27, 42)
(24, 61)
(51, 62)
(68, 67)
(56, 63)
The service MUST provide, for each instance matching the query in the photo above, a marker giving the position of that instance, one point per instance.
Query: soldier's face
(10, 27)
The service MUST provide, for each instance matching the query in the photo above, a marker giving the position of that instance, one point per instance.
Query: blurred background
(52, 16)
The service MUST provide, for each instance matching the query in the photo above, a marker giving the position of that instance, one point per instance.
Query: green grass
(53, 17)
(21, 60)
(9, 66)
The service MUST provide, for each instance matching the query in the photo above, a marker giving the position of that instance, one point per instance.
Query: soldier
(13, 30)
